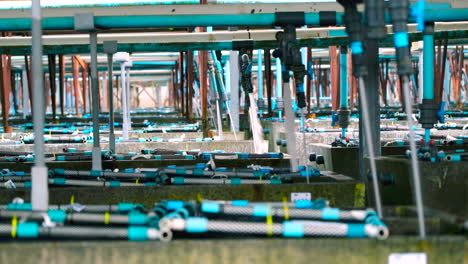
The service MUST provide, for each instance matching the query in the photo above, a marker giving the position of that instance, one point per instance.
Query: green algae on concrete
(444, 184)
(339, 194)
(439, 250)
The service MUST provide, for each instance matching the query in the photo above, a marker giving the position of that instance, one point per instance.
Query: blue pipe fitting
(28, 230)
(331, 214)
(174, 205)
(356, 231)
(125, 207)
(19, 206)
(242, 203)
(138, 233)
(196, 225)
(210, 207)
(136, 218)
(57, 216)
(294, 230)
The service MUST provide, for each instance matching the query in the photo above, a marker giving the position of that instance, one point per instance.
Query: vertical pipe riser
(39, 190)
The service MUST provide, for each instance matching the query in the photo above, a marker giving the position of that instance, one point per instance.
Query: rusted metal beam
(80, 61)
(5, 75)
(76, 83)
(84, 78)
(335, 77)
(444, 65)
(61, 83)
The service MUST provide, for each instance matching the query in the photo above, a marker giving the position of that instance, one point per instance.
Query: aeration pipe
(344, 111)
(32, 230)
(67, 217)
(428, 107)
(232, 181)
(292, 229)
(99, 174)
(330, 214)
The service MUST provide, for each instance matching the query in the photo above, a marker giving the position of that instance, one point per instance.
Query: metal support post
(260, 76)
(268, 79)
(97, 159)
(39, 181)
(85, 22)
(203, 61)
(110, 47)
(234, 84)
(189, 84)
(128, 121)
(25, 84)
(76, 84)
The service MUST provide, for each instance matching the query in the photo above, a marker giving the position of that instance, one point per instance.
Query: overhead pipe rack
(197, 16)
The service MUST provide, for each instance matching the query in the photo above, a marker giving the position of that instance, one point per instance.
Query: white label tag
(301, 196)
(407, 258)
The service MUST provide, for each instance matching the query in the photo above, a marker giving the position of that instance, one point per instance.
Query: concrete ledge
(244, 146)
(208, 251)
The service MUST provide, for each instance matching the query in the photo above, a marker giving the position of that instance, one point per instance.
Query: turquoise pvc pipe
(67, 23)
(343, 80)
(96, 3)
(101, 3)
(428, 74)
(260, 74)
(205, 20)
(428, 66)
(446, 15)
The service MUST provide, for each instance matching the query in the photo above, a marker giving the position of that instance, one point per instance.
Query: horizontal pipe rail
(208, 17)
